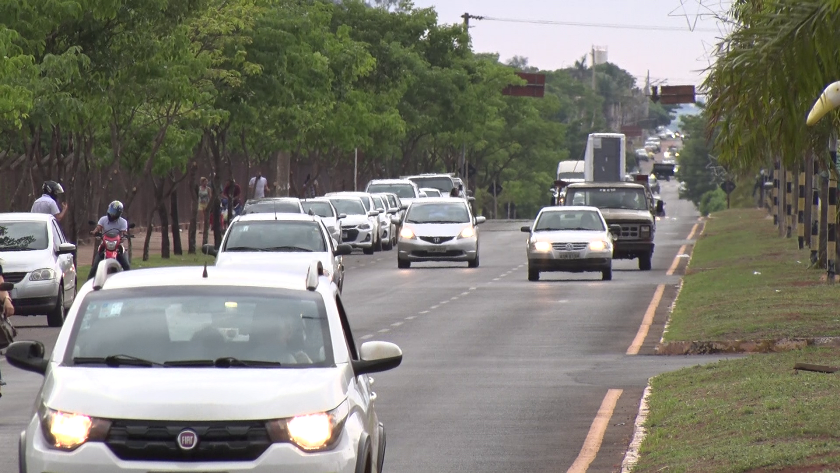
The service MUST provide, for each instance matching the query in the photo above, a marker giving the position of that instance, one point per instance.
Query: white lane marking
(411, 317)
(472, 289)
(434, 307)
(365, 337)
(444, 302)
(384, 330)
(454, 298)
(495, 279)
(424, 312)
(396, 324)
(465, 293)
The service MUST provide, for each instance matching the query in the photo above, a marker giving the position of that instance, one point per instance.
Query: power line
(597, 25)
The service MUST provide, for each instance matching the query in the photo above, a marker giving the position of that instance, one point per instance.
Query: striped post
(831, 247)
(788, 204)
(815, 211)
(776, 184)
(800, 211)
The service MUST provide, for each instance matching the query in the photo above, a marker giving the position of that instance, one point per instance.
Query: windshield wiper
(243, 248)
(288, 248)
(224, 362)
(115, 361)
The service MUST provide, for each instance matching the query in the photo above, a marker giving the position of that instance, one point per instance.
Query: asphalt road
(499, 374)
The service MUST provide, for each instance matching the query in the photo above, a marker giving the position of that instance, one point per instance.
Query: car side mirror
(480, 219)
(377, 357)
(66, 248)
(6, 286)
(403, 206)
(396, 220)
(132, 225)
(615, 229)
(208, 249)
(343, 249)
(393, 211)
(373, 213)
(28, 356)
(470, 199)
(525, 229)
(340, 216)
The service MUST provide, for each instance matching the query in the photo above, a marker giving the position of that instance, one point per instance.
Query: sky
(673, 57)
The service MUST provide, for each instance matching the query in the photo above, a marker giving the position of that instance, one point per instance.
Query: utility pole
(356, 170)
(593, 67)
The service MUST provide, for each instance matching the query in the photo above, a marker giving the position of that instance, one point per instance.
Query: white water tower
(600, 54)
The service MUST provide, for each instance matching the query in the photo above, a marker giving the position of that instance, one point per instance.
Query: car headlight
(111, 245)
(44, 274)
(542, 246)
(467, 232)
(364, 226)
(645, 230)
(311, 432)
(598, 245)
(67, 431)
(407, 233)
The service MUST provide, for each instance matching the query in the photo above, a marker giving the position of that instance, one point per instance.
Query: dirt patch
(796, 469)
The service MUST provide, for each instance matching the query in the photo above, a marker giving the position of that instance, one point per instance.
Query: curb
(631, 457)
(744, 346)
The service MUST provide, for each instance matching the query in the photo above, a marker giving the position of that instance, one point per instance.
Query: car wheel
(644, 262)
(368, 251)
(56, 316)
(606, 275)
(533, 275)
(403, 264)
(474, 262)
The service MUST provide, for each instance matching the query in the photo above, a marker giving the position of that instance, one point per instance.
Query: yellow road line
(646, 322)
(693, 229)
(676, 262)
(596, 433)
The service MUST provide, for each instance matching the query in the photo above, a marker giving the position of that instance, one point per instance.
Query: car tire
(403, 264)
(533, 275)
(55, 318)
(368, 251)
(474, 262)
(606, 275)
(644, 262)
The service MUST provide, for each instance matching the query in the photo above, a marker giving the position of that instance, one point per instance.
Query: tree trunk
(193, 186)
(164, 229)
(176, 224)
(149, 229)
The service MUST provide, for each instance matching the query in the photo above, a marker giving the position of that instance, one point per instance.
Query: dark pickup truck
(663, 170)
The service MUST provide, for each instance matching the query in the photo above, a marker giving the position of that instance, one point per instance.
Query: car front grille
(565, 246)
(217, 441)
(352, 233)
(14, 277)
(631, 231)
(437, 239)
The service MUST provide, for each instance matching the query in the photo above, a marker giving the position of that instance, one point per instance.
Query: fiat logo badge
(187, 440)
(569, 247)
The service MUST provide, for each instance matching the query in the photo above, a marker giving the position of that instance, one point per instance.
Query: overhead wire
(597, 25)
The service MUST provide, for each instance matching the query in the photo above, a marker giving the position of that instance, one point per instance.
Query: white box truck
(605, 159)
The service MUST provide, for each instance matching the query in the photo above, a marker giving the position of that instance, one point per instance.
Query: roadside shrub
(712, 201)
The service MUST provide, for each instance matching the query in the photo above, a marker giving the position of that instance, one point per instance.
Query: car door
(337, 260)
(65, 264)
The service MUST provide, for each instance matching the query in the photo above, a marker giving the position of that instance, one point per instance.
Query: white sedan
(572, 239)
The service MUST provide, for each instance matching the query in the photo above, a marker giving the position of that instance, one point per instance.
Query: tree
(694, 160)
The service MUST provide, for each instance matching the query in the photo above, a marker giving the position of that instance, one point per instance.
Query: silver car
(241, 370)
(442, 229)
(387, 228)
(406, 190)
(571, 239)
(356, 226)
(37, 258)
(370, 208)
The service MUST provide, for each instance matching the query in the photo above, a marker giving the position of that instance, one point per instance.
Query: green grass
(745, 415)
(724, 299)
(155, 261)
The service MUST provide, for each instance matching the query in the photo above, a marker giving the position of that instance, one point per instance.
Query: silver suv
(196, 369)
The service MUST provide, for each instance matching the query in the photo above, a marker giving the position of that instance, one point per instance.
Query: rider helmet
(52, 189)
(115, 210)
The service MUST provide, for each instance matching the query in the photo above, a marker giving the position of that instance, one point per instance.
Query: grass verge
(746, 283)
(155, 261)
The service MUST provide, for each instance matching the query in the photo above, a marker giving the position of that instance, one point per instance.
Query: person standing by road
(48, 202)
(205, 193)
(259, 185)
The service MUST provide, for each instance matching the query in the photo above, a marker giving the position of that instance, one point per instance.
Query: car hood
(300, 259)
(25, 261)
(436, 229)
(328, 221)
(569, 236)
(619, 215)
(194, 394)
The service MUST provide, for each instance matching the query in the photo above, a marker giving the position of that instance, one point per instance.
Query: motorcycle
(111, 242)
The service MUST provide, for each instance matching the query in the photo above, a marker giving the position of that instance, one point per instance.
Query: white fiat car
(572, 239)
(194, 369)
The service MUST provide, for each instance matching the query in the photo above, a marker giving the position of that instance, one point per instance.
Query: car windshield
(569, 220)
(349, 206)
(402, 190)
(441, 183)
(23, 236)
(272, 206)
(438, 213)
(377, 201)
(189, 326)
(275, 235)
(570, 175)
(609, 198)
(321, 209)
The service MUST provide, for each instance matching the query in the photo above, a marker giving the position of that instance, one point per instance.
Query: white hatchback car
(572, 239)
(196, 370)
(37, 258)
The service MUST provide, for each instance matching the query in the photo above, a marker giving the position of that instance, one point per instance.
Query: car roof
(266, 216)
(390, 181)
(270, 199)
(594, 185)
(440, 200)
(26, 217)
(569, 208)
(293, 277)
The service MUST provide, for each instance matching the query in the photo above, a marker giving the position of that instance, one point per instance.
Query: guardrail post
(800, 209)
(776, 183)
(788, 203)
(809, 199)
(832, 227)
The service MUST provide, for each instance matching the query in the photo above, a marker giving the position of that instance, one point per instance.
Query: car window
(431, 192)
(319, 208)
(58, 233)
(23, 236)
(349, 206)
(366, 203)
(167, 324)
(268, 206)
(569, 220)
(438, 213)
(377, 202)
(609, 198)
(56, 238)
(392, 200)
(402, 190)
(275, 235)
(441, 183)
(348, 334)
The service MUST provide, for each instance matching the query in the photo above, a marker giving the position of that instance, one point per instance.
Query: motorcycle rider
(48, 202)
(112, 220)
